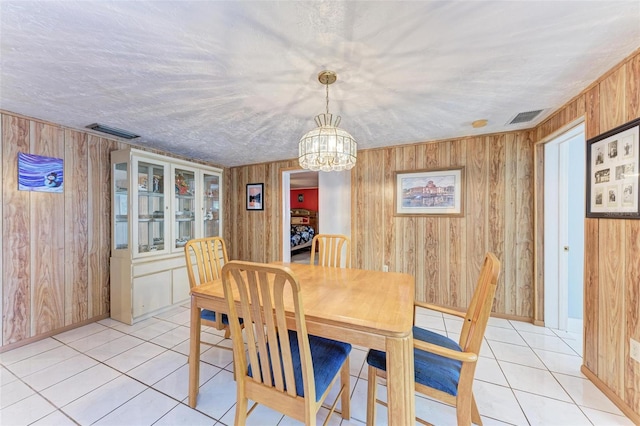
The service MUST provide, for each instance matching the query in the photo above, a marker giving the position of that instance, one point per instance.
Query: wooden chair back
(332, 249)
(256, 292)
(205, 258)
(479, 310)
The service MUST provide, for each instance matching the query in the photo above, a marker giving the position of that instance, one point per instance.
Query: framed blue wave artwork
(38, 173)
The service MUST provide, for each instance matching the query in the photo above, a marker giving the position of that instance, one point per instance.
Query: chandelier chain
(327, 86)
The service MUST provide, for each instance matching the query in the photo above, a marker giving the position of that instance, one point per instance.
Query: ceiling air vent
(524, 117)
(112, 131)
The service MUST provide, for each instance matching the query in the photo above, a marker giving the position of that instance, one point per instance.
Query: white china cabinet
(158, 204)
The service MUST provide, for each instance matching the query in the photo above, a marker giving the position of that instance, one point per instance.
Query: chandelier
(328, 147)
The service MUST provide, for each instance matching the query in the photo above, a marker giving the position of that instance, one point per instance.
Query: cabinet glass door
(211, 205)
(151, 207)
(120, 206)
(185, 206)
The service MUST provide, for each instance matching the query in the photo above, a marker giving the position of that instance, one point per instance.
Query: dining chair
(205, 258)
(330, 249)
(444, 369)
(283, 368)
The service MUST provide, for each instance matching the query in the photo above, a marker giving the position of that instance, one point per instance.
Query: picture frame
(255, 196)
(430, 192)
(40, 174)
(612, 173)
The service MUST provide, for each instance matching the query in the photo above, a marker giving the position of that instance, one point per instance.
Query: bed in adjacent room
(303, 228)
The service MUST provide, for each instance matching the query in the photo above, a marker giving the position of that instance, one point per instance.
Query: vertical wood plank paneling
(592, 120)
(76, 232)
(524, 225)
(497, 207)
(458, 234)
(228, 205)
(16, 234)
(510, 263)
(611, 303)
(612, 99)
(632, 99)
(429, 240)
(376, 258)
(478, 194)
(94, 227)
(272, 210)
(106, 146)
(538, 273)
(389, 209)
(47, 222)
(632, 311)
(357, 241)
(592, 313)
(407, 225)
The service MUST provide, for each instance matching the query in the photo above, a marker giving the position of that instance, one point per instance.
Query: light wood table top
(373, 309)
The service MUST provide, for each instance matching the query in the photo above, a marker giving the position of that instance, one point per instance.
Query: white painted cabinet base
(142, 288)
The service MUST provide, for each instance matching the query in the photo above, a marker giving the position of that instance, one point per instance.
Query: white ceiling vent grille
(112, 131)
(524, 117)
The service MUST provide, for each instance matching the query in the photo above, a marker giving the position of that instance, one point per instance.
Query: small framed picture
(613, 179)
(41, 174)
(438, 192)
(255, 196)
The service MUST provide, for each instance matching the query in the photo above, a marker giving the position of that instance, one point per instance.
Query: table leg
(400, 381)
(194, 354)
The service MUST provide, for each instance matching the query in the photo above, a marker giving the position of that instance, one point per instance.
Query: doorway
(564, 204)
(334, 204)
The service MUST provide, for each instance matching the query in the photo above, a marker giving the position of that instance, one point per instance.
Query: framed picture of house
(613, 179)
(255, 196)
(438, 192)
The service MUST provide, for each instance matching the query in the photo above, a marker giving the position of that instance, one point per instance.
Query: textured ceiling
(235, 82)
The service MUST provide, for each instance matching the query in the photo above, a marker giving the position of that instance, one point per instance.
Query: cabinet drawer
(147, 268)
(151, 292)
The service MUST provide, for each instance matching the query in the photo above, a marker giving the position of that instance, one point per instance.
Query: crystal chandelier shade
(328, 147)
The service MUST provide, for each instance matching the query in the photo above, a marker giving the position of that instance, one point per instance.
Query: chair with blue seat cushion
(205, 258)
(281, 366)
(444, 369)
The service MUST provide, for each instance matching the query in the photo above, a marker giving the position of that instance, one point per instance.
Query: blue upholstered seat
(431, 370)
(208, 315)
(327, 358)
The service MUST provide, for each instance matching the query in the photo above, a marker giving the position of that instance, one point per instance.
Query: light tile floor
(109, 373)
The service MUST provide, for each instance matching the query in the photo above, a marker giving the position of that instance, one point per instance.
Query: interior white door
(564, 203)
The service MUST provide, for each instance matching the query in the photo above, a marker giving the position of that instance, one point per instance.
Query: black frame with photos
(613, 173)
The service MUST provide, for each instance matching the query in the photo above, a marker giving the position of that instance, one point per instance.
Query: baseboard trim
(42, 336)
(618, 402)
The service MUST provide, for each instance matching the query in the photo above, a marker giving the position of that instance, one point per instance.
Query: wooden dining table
(372, 309)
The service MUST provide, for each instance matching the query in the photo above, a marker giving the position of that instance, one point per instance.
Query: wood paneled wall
(444, 254)
(55, 247)
(612, 247)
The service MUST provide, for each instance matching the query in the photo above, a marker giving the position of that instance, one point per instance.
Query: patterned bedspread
(301, 234)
